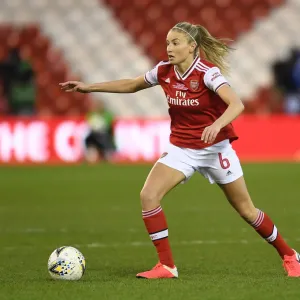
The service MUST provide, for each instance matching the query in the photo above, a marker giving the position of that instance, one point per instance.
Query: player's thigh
(238, 196)
(223, 166)
(159, 182)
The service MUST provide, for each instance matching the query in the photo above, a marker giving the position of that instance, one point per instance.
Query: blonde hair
(215, 50)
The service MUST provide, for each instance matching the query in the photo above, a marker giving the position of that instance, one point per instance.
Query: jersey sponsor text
(180, 100)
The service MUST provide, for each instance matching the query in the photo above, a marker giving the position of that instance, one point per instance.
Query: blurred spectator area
(49, 69)
(148, 22)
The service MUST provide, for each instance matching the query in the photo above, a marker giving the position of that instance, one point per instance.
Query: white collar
(188, 71)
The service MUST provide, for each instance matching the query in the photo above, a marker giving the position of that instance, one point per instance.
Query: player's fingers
(68, 86)
(215, 135)
(206, 137)
(72, 89)
(212, 137)
(64, 84)
(203, 134)
(65, 88)
(72, 82)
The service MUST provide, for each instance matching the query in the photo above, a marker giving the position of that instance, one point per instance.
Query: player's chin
(172, 61)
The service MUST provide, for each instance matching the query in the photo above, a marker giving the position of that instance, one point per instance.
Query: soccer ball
(66, 263)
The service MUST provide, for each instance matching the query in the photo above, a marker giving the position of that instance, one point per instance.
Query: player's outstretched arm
(117, 86)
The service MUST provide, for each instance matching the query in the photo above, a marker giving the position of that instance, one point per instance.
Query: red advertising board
(41, 141)
(268, 138)
(262, 138)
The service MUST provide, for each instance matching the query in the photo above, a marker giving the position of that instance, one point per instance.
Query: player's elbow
(238, 104)
(241, 106)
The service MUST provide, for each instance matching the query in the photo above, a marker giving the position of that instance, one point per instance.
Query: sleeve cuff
(221, 85)
(147, 81)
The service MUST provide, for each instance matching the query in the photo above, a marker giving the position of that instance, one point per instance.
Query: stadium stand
(104, 40)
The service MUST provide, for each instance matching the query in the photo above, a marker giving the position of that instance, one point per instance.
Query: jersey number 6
(224, 162)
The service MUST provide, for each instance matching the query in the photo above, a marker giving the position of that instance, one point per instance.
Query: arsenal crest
(194, 84)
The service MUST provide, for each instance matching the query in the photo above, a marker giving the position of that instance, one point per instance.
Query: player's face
(178, 47)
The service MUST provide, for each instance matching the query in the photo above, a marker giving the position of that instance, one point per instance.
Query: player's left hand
(210, 133)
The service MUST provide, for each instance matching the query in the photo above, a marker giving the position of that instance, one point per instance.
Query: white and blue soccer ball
(66, 263)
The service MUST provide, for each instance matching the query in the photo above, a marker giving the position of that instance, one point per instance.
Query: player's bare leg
(159, 182)
(238, 196)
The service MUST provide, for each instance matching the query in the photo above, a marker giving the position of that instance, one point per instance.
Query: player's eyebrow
(173, 39)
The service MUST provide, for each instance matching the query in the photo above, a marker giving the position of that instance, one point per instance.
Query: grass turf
(97, 210)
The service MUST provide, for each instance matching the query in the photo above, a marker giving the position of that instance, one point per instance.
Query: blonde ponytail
(215, 50)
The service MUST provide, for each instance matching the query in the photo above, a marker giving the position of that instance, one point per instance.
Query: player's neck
(182, 67)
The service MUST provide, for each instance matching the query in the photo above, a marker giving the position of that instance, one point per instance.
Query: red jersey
(193, 101)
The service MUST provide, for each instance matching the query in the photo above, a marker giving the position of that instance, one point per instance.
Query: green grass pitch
(97, 209)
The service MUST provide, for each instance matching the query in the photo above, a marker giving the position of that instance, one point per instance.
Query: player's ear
(192, 47)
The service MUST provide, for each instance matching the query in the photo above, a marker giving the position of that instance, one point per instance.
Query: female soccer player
(202, 106)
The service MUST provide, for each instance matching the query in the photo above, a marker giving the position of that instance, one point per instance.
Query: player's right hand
(75, 86)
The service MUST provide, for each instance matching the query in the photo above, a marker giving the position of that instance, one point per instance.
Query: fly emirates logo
(181, 100)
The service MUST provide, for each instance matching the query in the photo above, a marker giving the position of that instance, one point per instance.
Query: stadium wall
(60, 140)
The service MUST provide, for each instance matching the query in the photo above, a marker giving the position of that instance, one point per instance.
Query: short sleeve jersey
(193, 101)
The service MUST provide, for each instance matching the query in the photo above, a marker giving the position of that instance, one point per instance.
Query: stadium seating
(224, 18)
(104, 40)
(98, 49)
(231, 18)
(49, 67)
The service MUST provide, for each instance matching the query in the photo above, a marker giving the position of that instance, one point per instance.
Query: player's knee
(150, 199)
